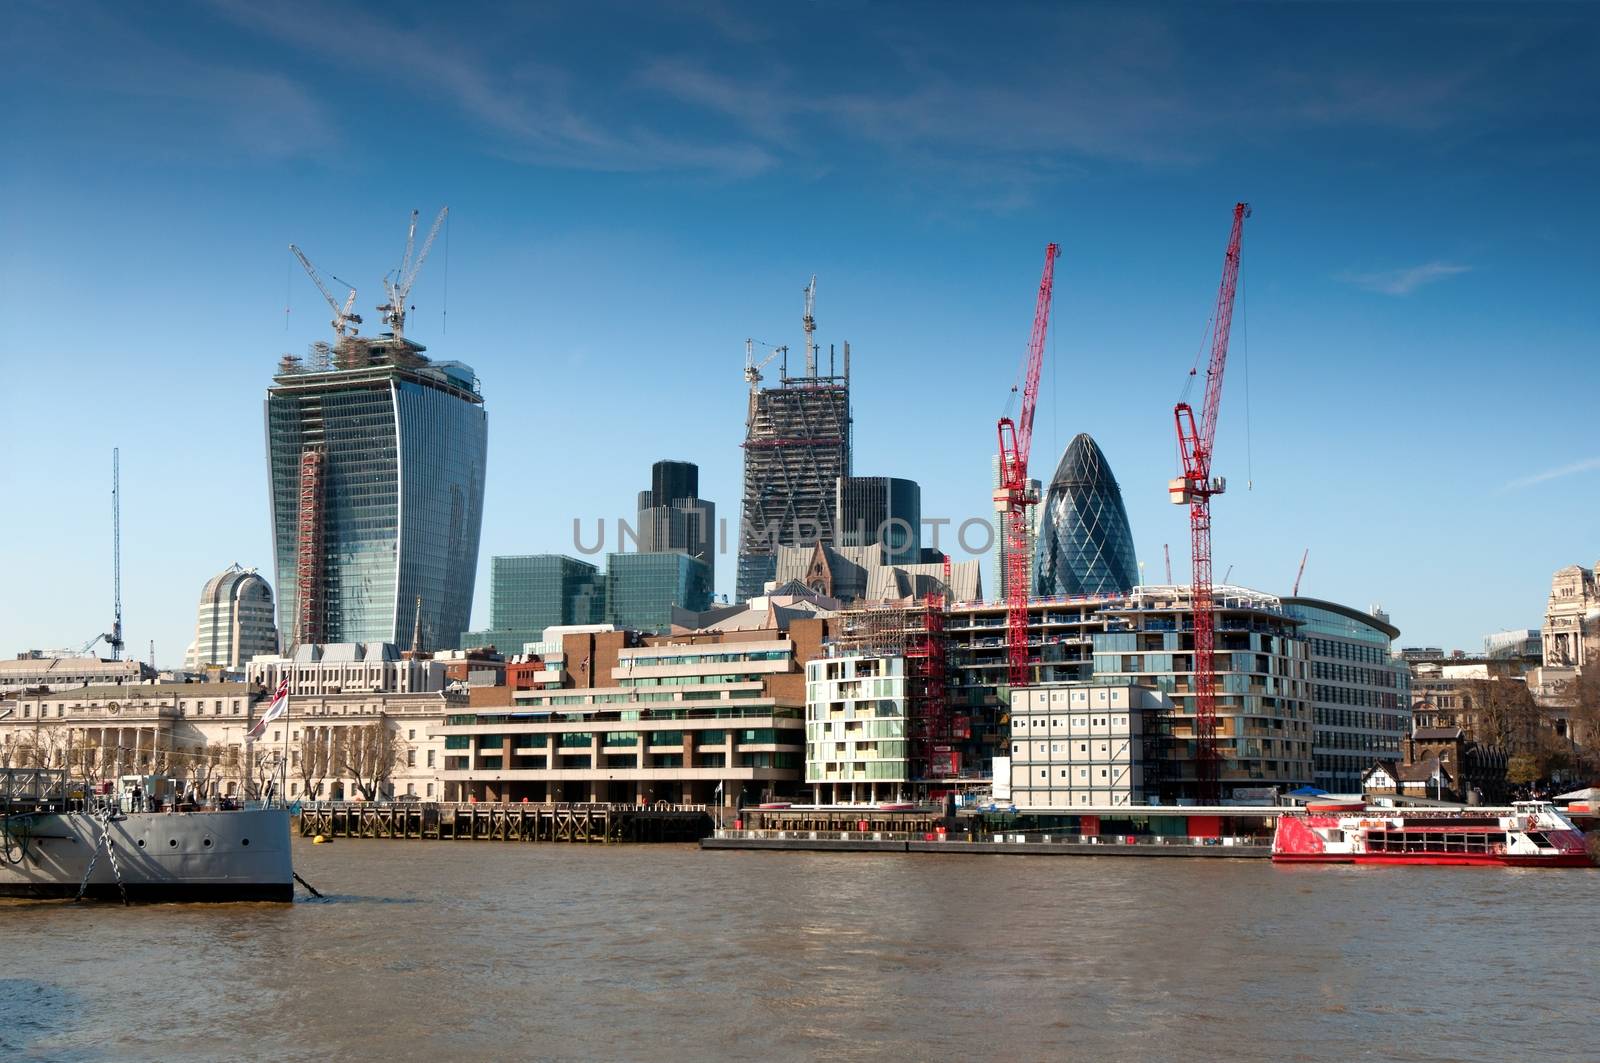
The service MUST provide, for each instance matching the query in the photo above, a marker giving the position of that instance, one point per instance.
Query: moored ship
(1528, 834)
(57, 845)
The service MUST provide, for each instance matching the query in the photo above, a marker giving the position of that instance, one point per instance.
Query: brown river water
(468, 951)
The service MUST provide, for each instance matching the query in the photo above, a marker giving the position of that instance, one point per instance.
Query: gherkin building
(1085, 545)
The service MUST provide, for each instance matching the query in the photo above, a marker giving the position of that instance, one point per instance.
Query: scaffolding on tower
(309, 627)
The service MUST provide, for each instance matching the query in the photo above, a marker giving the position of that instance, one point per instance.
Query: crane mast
(1013, 497)
(342, 317)
(809, 322)
(1194, 489)
(398, 284)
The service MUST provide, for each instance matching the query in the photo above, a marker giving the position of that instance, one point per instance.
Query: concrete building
(531, 592)
(376, 459)
(884, 511)
(235, 621)
(858, 721)
(346, 668)
(673, 516)
(642, 590)
(1082, 745)
(1264, 722)
(702, 717)
(1360, 691)
(42, 670)
(1085, 546)
(797, 446)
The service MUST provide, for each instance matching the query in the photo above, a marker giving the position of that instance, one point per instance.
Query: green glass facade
(641, 589)
(530, 592)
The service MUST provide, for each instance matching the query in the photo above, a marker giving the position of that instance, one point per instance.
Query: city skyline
(607, 267)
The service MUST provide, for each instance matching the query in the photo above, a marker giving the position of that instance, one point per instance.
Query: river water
(460, 950)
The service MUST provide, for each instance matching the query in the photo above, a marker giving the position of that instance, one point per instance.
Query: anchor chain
(111, 854)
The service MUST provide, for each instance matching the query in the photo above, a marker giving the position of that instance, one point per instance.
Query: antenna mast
(114, 639)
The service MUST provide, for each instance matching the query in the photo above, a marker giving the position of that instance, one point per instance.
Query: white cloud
(1586, 465)
(1404, 281)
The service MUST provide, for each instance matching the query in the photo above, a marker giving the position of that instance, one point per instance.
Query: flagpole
(283, 787)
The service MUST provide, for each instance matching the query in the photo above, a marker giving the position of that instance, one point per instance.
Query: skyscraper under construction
(376, 467)
(797, 445)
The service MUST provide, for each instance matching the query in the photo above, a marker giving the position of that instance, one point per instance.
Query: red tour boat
(1528, 834)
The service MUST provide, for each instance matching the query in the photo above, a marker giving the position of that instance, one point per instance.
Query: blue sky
(635, 190)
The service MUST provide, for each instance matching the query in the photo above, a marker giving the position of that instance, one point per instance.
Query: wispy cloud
(1586, 465)
(1404, 281)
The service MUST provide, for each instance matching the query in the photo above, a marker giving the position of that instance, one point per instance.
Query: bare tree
(1583, 723)
(1501, 712)
(369, 754)
(312, 760)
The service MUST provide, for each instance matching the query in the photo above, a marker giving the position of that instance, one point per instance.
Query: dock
(573, 823)
(1226, 848)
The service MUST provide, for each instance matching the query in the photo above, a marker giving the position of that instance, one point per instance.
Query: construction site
(797, 446)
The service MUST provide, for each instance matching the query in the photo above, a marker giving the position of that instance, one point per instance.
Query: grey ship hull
(182, 856)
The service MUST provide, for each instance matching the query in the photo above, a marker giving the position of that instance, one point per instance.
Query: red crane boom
(1013, 497)
(1195, 489)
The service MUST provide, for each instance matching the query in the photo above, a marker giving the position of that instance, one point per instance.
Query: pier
(513, 822)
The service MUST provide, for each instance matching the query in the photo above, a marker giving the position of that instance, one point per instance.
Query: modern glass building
(1085, 545)
(641, 589)
(1361, 692)
(673, 516)
(530, 592)
(375, 461)
(881, 510)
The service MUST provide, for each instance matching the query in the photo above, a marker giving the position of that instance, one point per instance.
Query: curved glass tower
(1085, 545)
(376, 457)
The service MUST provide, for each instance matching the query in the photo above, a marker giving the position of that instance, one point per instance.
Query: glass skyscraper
(1085, 545)
(375, 459)
(641, 589)
(530, 592)
(881, 509)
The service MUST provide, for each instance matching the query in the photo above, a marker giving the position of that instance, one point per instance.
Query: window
(411, 758)
(411, 734)
(430, 789)
(430, 760)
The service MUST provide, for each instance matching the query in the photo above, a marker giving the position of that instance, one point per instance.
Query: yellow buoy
(319, 840)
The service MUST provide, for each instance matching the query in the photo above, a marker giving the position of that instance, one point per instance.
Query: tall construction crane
(1194, 489)
(398, 283)
(809, 322)
(342, 317)
(1296, 592)
(1013, 497)
(113, 638)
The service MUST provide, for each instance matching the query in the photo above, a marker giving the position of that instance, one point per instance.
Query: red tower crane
(1013, 498)
(1194, 489)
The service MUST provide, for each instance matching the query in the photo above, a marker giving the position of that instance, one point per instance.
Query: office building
(1523, 643)
(1085, 546)
(881, 510)
(673, 516)
(530, 592)
(1360, 691)
(376, 460)
(797, 445)
(642, 590)
(235, 621)
(42, 670)
(710, 717)
(1264, 724)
